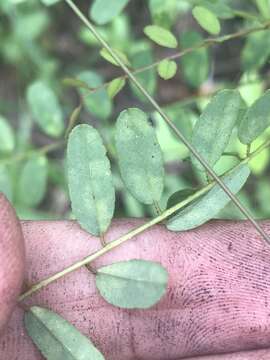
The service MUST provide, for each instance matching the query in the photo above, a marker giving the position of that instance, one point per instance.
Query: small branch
(204, 44)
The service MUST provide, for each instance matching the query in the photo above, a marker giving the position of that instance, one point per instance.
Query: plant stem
(156, 106)
(204, 44)
(115, 243)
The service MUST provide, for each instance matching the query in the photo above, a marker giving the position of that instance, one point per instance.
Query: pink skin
(217, 300)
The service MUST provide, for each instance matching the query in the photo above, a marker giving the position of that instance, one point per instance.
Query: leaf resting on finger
(56, 338)
(210, 204)
(90, 180)
(140, 157)
(132, 284)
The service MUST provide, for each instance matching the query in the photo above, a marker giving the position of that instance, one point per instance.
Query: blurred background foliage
(44, 48)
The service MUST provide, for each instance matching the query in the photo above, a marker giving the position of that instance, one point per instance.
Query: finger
(11, 260)
(217, 298)
(243, 355)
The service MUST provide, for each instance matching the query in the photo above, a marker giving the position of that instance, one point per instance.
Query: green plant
(232, 129)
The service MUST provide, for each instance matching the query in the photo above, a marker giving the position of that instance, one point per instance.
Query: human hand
(217, 299)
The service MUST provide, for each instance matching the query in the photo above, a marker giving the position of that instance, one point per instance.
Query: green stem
(165, 117)
(115, 243)
(205, 43)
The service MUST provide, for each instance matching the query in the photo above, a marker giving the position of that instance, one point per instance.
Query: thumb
(11, 260)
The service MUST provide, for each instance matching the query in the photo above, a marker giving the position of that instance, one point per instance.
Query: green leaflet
(103, 11)
(7, 140)
(45, 108)
(56, 338)
(90, 180)
(140, 157)
(195, 65)
(212, 131)
(115, 86)
(32, 182)
(107, 56)
(141, 57)
(256, 119)
(160, 36)
(97, 103)
(133, 284)
(167, 69)
(256, 50)
(5, 182)
(207, 19)
(209, 205)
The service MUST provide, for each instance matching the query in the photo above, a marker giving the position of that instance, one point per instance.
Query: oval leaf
(206, 19)
(213, 130)
(56, 338)
(103, 11)
(160, 36)
(7, 139)
(90, 180)
(167, 69)
(115, 86)
(45, 108)
(133, 284)
(107, 56)
(195, 65)
(256, 119)
(97, 102)
(209, 205)
(140, 157)
(33, 181)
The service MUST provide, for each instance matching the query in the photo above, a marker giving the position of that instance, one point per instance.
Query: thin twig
(204, 44)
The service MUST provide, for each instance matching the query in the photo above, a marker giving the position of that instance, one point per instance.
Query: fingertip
(12, 259)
